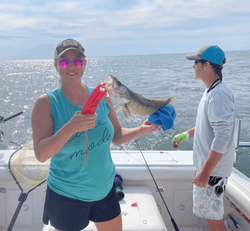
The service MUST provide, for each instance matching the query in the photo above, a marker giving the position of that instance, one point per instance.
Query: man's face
(198, 70)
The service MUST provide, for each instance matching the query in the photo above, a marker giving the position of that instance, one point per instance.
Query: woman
(80, 189)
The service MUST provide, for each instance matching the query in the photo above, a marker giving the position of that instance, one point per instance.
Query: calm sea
(21, 82)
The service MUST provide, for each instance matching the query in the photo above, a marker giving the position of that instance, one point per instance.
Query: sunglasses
(199, 61)
(65, 62)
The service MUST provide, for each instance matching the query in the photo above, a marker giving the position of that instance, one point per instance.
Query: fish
(132, 103)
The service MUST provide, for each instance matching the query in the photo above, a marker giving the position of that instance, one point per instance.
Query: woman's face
(71, 73)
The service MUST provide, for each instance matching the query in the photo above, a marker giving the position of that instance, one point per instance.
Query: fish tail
(171, 100)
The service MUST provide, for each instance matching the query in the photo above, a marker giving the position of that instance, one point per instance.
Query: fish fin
(158, 99)
(171, 100)
(126, 111)
(124, 100)
(141, 96)
(119, 109)
(126, 116)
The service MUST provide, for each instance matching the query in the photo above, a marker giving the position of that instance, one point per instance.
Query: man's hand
(201, 179)
(182, 137)
(176, 144)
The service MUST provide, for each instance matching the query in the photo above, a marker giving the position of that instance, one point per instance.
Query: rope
(87, 148)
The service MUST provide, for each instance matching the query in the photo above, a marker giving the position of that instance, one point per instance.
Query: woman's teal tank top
(68, 176)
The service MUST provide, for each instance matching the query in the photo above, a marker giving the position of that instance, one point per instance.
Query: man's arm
(221, 115)
(202, 177)
(191, 132)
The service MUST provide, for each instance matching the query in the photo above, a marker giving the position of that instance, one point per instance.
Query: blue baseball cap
(210, 53)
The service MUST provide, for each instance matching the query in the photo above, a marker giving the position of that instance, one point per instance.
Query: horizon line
(118, 56)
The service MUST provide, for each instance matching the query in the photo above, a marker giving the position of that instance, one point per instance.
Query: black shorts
(69, 214)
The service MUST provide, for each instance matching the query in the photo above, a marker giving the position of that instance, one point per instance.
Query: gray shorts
(208, 202)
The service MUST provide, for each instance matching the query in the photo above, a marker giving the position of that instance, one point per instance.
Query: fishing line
(172, 219)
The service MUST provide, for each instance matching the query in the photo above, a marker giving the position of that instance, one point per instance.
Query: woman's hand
(149, 127)
(80, 122)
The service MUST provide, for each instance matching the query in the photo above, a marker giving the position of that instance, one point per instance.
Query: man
(213, 148)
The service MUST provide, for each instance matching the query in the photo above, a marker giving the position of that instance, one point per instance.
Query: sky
(30, 29)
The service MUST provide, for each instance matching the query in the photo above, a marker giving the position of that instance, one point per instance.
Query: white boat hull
(173, 172)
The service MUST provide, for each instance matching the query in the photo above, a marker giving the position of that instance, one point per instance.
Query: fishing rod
(2, 119)
(172, 219)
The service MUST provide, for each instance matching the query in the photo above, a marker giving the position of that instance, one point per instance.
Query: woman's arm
(123, 135)
(47, 145)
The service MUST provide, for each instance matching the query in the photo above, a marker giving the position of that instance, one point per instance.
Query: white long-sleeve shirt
(214, 129)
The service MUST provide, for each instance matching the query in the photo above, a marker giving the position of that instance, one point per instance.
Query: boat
(161, 203)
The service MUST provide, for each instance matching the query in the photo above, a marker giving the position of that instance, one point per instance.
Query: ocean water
(153, 76)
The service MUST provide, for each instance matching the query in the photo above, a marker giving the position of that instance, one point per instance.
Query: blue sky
(30, 29)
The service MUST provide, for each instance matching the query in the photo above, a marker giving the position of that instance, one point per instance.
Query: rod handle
(174, 224)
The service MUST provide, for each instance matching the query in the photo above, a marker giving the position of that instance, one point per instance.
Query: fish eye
(119, 83)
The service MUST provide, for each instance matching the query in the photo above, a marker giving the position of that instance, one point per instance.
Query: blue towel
(164, 117)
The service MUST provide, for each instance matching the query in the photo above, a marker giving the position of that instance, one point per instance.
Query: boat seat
(143, 217)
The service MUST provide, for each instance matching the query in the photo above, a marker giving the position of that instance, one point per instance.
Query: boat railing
(237, 142)
(3, 120)
(244, 144)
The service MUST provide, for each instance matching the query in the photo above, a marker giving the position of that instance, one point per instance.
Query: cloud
(161, 13)
(79, 17)
(129, 23)
(9, 22)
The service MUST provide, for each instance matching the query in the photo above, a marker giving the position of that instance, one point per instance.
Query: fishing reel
(3, 120)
